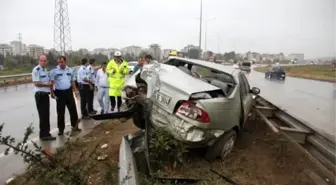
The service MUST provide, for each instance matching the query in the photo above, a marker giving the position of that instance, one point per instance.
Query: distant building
(165, 53)
(297, 56)
(281, 56)
(188, 47)
(155, 51)
(6, 49)
(18, 48)
(135, 50)
(35, 50)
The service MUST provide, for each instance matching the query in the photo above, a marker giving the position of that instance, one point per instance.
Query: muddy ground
(257, 159)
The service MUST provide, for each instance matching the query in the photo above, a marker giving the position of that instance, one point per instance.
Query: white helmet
(117, 54)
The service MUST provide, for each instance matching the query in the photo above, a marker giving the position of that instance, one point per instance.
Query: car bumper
(182, 130)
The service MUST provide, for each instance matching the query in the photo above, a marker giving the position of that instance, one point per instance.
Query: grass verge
(314, 72)
(258, 158)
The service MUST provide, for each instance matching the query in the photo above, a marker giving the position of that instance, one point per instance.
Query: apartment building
(19, 48)
(135, 50)
(35, 50)
(6, 49)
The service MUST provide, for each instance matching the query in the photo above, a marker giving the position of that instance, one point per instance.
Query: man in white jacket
(103, 88)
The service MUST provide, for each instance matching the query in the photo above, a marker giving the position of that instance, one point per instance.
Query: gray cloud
(260, 25)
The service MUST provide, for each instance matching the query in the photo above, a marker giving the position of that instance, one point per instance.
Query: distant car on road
(246, 66)
(275, 73)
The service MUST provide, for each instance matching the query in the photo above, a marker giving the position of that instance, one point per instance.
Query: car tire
(222, 146)
(138, 116)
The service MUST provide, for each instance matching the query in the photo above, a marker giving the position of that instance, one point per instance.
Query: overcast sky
(273, 26)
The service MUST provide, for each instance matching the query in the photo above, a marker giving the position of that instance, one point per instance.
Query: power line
(62, 34)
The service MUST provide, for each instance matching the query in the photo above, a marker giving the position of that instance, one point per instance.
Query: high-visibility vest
(116, 76)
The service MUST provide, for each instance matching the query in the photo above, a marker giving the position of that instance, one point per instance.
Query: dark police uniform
(40, 74)
(84, 89)
(63, 79)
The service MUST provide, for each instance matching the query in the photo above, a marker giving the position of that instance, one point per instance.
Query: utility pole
(62, 34)
(20, 41)
(205, 35)
(218, 39)
(200, 29)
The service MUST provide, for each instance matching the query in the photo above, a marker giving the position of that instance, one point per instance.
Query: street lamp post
(205, 34)
(200, 28)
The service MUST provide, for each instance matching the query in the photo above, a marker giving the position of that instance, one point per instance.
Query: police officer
(92, 71)
(42, 88)
(85, 86)
(62, 77)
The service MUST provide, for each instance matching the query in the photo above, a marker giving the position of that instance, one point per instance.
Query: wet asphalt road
(312, 102)
(18, 111)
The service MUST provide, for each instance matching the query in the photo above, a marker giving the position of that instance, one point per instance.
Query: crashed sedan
(199, 103)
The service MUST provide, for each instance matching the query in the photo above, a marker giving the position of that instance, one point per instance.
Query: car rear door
(246, 96)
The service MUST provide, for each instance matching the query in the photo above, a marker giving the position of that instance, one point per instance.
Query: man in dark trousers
(62, 76)
(92, 68)
(42, 85)
(85, 86)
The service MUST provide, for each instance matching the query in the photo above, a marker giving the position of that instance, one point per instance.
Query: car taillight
(189, 110)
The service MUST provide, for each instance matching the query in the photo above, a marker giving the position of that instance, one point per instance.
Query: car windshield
(278, 69)
(210, 73)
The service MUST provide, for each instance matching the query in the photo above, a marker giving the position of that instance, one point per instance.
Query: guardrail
(319, 150)
(14, 80)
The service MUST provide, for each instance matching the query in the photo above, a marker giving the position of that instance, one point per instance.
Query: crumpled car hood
(183, 81)
(172, 76)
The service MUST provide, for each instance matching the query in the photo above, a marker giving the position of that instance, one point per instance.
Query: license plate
(162, 98)
(282, 75)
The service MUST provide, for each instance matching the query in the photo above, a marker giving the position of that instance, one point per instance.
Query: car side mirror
(255, 90)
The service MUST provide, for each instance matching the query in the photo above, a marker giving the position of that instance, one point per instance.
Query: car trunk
(173, 89)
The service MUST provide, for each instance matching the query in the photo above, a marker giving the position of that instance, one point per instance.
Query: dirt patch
(257, 159)
(105, 171)
(314, 72)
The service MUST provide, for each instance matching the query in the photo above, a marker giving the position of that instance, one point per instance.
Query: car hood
(175, 78)
(171, 80)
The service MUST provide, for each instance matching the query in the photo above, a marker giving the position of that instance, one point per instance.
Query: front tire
(138, 115)
(222, 147)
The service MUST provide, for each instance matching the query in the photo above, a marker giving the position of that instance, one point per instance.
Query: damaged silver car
(200, 103)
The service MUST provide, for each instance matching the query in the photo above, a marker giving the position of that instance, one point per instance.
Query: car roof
(219, 67)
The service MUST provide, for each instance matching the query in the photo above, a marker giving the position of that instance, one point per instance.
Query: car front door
(246, 96)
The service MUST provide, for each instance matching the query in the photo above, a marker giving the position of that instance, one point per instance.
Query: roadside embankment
(314, 72)
(259, 157)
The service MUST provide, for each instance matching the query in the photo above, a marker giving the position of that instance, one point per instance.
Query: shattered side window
(203, 71)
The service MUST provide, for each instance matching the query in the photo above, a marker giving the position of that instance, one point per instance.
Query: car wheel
(138, 116)
(222, 146)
